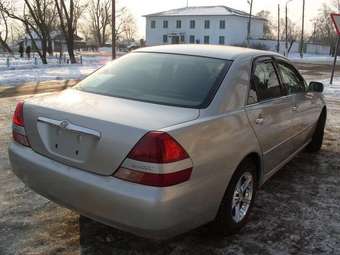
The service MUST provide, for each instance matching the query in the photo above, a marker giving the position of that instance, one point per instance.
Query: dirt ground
(296, 212)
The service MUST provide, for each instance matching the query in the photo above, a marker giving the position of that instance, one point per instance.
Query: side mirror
(315, 86)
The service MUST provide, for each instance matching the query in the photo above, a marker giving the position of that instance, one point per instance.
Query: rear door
(305, 107)
(270, 111)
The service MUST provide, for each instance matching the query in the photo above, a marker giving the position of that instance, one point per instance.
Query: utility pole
(113, 29)
(286, 50)
(303, 30)
(249, 22)
(335, 59)
(278, 28)
(187, 3)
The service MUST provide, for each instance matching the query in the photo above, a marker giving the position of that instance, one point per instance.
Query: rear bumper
(150, 212)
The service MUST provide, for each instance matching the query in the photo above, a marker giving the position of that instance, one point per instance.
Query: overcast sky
(142, 7)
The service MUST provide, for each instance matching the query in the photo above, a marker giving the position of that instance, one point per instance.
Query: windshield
(179, 80)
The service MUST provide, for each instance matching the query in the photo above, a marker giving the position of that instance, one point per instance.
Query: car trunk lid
(94, 132)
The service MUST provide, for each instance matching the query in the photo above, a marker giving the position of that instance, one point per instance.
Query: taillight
(158, 147)
(18, 117)
(156, 150)
(18, 125)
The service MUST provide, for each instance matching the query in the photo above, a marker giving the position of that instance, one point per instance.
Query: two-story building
(204, 24)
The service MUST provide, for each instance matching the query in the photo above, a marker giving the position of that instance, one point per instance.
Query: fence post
(7, 61)
(81, 59)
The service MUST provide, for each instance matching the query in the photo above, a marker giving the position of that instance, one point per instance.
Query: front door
(270, 111)
(305, 108)
(175, 39)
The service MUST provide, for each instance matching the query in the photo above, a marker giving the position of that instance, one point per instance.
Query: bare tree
(268, 26)
(128, 25)
(4, 32)
(99, 24)
(323, 28)
(125, 24)
(100, 19)
(69, 12)
(336, 5)
(293, 31)
(38, 18)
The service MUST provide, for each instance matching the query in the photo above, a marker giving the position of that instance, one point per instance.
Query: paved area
(296, 212)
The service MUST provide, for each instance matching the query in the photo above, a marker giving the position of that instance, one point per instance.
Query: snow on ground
(18, 77)
(26, 71)
(105, 49)
(332, 90)
(312, 58)
(296, 212)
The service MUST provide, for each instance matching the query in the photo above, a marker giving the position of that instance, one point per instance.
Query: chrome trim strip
(269, 101)
(287, 140)
(284, 162)
(70, 127)
(157, 168)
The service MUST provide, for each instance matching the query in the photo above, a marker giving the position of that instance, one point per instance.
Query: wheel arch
(257, 159)
(324, 111)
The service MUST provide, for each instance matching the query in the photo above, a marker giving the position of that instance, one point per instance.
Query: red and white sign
(336, 21)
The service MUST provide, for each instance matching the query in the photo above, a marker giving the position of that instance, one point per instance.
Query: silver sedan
(168, 138)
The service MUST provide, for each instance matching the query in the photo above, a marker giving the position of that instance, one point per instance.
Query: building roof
(204, 50)
(55, 35)
(219, 10)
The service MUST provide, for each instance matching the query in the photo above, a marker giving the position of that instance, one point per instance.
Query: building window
(153, 23)
(182, 38)
(206, 39)
(192, 39)
(165, 24)
(178, 24)
(165, 38)
(207, 24)
(222, 24)
(192, 24)
(221, 40)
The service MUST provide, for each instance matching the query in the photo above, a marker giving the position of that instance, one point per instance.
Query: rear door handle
(294, 108)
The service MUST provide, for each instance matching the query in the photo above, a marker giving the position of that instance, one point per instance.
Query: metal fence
(15, 60)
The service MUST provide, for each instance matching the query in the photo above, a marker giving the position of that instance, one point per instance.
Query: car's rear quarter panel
(216, 146)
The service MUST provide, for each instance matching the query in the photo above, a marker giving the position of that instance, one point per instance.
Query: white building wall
(310, 48)
(234, 33)
(238, 29)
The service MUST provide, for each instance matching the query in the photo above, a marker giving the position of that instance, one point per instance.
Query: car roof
(212, 51)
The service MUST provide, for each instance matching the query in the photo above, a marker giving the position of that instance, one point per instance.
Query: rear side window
(291, 79)
(265, 83)
(178, 80)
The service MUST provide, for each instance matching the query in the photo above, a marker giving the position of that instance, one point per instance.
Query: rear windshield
(179, 80)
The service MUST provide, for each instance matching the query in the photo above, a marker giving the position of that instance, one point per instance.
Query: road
(296, 212)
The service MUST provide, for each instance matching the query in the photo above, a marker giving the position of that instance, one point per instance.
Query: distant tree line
(39, 19)
(323, 29)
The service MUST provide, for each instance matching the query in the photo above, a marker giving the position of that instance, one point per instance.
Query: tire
(226, 221)
(317, 139)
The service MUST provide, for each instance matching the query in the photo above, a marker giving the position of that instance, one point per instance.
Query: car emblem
(64, 124)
